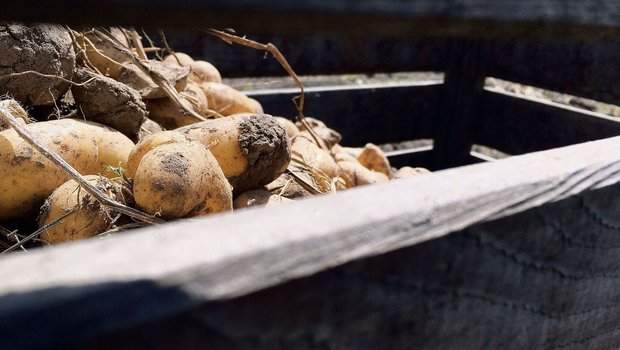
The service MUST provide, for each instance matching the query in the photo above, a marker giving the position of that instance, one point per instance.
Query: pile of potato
(164, 136)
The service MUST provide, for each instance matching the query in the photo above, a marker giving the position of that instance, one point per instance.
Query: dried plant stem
(38, 232)
(137, 44)
(6, 115)
(272, 49)
(157, 78)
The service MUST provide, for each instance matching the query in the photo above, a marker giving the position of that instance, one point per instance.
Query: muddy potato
(135, 77)
(373, 158)
(147, 144)
(252, 149)
(28, 177)
(258, 198)
(226, 100)
(41, 48)
(89, 218)
(109, 102)
(180, 179)
(168, 114)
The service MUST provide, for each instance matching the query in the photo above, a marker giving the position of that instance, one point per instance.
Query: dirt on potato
(263, 141)
(109, 102)
(42, 48)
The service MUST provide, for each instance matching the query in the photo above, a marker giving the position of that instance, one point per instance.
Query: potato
(252, 149)
(16, 110)
(355, 174)
(180, 179)
(167, 114)
(226, 100)
(257, 107)
(109, 102)
(287, 186)
(258, 198)
(290, 127)
(149, 127)
(203, 72)
(133, 76)
(178, 59)
(90, 217)
(314, 156)
(330, 136)
(197, 98)
(373, 158)
(28, 177)
(147, 144)
(407, 171)
(42, 48)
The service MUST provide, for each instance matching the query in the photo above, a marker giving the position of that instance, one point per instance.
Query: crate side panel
(545, 278)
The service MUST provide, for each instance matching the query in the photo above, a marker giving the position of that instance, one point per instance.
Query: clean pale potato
(89, 218)
(28, 177)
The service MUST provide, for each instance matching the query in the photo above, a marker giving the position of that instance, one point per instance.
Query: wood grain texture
(362, 114)
(580, 18)
(114, 283)
(516, 124)
(547, 278)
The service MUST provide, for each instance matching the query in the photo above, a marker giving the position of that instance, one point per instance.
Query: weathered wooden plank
(459, 103)
(516, 124)
(113, 283)
(581, 18)
(579, 68)
(546, 278)
(362, 114)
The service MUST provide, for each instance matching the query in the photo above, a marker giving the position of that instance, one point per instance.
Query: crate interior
(451, 111)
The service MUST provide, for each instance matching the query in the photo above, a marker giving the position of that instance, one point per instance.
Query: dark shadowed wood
(543, 279)
(416, 157)
(458, 108)
(586, 69)
(315, 54)
(517, 125)
(579, 18)
(110, 284)
(375, 113)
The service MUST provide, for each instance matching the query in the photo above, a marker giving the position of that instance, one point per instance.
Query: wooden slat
(314, 54)
(417, 157)
(108, 284)
(517, 125)
(373, 113)
(586, 69)
(457, 112)
(543, 279)
(582, 18)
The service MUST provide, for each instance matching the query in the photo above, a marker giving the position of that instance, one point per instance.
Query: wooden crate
(517, 253)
